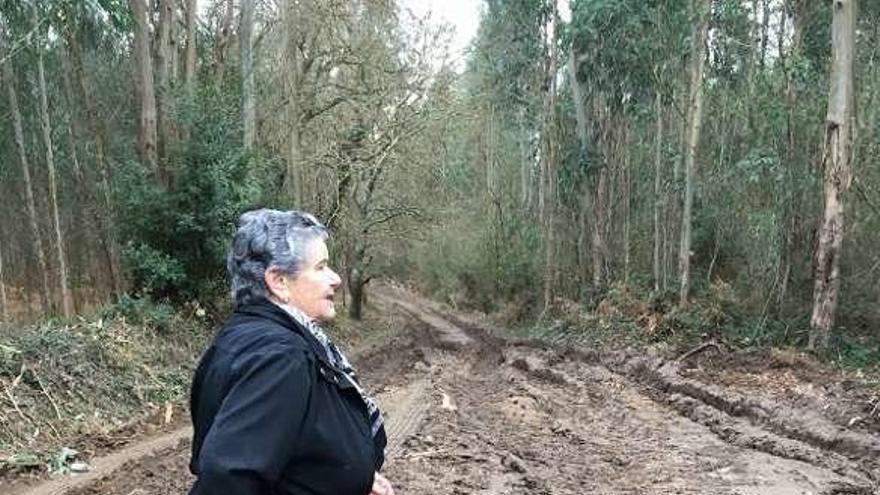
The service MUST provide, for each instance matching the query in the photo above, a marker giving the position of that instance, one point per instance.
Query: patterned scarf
(338, 359)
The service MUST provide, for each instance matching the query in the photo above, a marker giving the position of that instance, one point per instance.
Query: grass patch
(63, 379)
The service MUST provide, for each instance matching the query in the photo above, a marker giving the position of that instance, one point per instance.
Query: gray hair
(268, 239)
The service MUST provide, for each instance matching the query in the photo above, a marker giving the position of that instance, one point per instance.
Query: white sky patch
(564, 7)
(462, 15)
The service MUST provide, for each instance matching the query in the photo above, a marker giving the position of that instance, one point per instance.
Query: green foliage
(478, 263)
(153, 271)
(176, 236)
(101, 371)
(508, 53)
(855, 351)
(620, 39)
(140, 311)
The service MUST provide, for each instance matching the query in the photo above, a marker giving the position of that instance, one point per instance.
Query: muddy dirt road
(470, 413)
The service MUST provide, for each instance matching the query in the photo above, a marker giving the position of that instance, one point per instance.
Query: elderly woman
(276, 407)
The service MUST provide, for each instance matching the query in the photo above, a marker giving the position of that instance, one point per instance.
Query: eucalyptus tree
(507, 133)
(702, 9)
(837, 164)
(246, 60)
(190, 60)
(144, 82)
(46, 125)
(83, 25)
(7, 58)
(623, 57)
(507, 81)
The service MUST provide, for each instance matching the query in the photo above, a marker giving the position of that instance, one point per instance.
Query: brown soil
(469, 412)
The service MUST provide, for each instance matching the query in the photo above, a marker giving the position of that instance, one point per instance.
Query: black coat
(273, 416)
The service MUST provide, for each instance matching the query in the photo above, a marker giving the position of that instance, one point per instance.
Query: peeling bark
(147, 139)
(838, 171)
(695, 117)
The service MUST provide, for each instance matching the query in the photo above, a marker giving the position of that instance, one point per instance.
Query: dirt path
(471, 413)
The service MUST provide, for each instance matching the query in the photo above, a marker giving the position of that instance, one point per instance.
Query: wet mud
(470, 412)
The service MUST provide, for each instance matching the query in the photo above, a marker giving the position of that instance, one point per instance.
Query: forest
(609, 246)
(684, 169)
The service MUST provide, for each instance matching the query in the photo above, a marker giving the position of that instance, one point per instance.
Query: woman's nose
(335, 280)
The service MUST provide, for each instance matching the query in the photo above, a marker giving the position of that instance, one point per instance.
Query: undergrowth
(63, 379)
(626, 316)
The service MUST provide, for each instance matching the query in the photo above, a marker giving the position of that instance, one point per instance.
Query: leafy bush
(176, 235)
(140, 311)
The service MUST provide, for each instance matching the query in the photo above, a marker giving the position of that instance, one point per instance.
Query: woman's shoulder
(246, 333)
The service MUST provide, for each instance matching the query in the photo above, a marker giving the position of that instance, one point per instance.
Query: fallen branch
(698, 349)
(11, 396)
(46, 393)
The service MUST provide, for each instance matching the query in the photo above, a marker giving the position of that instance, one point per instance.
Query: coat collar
(266, 309)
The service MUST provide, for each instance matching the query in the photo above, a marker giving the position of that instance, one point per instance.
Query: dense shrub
(175, 235)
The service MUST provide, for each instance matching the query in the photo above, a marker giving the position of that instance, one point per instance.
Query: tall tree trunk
(291, 74)
(147, 139)
(100, 203)
(103, 199)
(548, 160)
(587, 200)
(627, 197)
(525, 164)
(789, 223)
(837, 165)
(164, 74)
(66, 297)
(85, 197)
(675, 196)
(4, 303)
(189, 62)
(37, 244)
(658, 194)
(601, 210)
(489, 145)
(246, 47)
(174, 49)
(695, 117)
(765, 29)
(220, 43)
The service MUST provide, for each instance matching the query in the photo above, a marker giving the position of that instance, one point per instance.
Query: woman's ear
(276, 282)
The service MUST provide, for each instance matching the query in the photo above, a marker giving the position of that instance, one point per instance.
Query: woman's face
(313, 288)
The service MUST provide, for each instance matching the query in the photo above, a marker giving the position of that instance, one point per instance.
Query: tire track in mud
(760, 424)
(159, 465)
(820, 457)
(106, 465)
